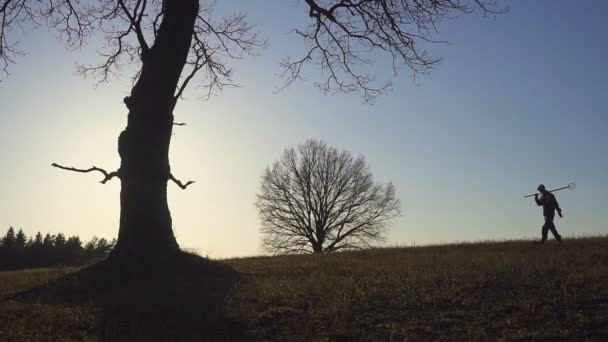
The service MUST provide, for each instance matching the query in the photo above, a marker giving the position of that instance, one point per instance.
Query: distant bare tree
(316, 199)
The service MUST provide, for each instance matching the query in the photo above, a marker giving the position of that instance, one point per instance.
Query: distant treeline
(18, 251)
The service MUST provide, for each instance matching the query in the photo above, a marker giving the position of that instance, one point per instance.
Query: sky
(518, 100)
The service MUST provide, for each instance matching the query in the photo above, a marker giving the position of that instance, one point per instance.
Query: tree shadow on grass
(181, 300)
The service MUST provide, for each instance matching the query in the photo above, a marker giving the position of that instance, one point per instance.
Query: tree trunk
(317, 247)
(146, 232)
(317, 242)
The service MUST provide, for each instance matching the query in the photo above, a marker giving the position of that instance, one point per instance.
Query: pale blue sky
(518, 100)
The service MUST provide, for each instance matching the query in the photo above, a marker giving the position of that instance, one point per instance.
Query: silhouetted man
(550, 205)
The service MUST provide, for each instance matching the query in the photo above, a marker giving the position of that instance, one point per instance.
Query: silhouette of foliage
(130, 28)
(17, 251)
(344, 37)
(317, 199)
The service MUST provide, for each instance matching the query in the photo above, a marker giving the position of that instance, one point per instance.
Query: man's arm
(559, 210)
(537, 200)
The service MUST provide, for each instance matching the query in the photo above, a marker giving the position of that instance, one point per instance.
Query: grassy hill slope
(512, 290)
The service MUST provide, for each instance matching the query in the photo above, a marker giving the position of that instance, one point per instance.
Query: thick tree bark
(317, 248)
(146, 232)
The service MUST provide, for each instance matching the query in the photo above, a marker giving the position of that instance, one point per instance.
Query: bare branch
(197, 65)
(344, 34)
(343, 39)
(107, 176)
(215, 41)
(179, 183)
(135, 21)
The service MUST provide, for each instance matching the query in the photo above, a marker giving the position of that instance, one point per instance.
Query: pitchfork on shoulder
(570, 186)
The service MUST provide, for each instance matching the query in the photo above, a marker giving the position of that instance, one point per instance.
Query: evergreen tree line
(17, 251)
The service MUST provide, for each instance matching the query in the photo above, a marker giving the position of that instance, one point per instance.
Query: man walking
(550, 205)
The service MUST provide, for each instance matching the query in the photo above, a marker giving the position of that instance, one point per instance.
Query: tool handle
(538, 193)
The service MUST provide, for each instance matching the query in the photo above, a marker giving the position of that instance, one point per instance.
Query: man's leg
(549, 225)
(545, 230)
(553, 230)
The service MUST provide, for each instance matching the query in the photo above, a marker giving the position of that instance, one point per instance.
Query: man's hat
(541, 187)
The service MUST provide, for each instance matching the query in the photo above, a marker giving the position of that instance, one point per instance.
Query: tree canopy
(342, 38)
(318, 199)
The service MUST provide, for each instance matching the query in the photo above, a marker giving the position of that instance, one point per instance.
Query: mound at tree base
(182, 298)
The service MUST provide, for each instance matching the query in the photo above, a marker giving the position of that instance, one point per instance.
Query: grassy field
(485, 291)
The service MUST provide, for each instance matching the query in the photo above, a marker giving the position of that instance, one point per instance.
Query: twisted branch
(107, 176)
(179, 183)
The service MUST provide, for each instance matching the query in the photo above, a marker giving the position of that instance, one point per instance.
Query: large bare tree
(173, 42)
(317, 199)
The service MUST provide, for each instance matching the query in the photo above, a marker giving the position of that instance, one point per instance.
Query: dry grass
(486, 291)
(41, 322)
